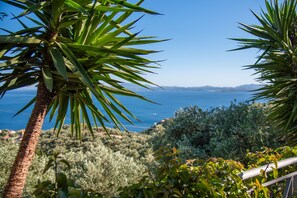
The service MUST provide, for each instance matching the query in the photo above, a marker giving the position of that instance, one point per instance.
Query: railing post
(288, 188)
(295, 186)
(291, 188)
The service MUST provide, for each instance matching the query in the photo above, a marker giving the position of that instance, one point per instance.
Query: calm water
(169, 101)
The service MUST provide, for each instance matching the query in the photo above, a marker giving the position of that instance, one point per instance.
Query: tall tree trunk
(19, 171)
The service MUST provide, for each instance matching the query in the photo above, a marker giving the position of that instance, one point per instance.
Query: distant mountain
(249, 87)
(243, 88)
(133, 87)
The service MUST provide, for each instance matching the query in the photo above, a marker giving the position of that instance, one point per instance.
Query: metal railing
(291, 179)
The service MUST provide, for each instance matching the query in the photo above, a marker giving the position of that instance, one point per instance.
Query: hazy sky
(197, 54)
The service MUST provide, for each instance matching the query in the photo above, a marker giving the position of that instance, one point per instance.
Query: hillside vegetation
(107, 163)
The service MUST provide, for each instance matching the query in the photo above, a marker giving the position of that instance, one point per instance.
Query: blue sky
(197, 54)
(199, 30)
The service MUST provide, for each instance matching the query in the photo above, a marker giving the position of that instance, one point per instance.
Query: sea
(167, 103)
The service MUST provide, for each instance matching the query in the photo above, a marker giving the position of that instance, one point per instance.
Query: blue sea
(169, 101)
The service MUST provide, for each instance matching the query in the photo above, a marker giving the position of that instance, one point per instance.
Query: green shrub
(135, 145)
(264, 157)
(93, 165)
(62, 186)
(227, 132)
(8, 152)
(241, 127)
(103, 170)
(213, 178)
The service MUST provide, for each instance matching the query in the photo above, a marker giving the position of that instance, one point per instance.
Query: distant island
(249, 87)
(241, 88)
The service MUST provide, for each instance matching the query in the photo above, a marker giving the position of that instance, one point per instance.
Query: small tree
(276, 38)
(76, 51)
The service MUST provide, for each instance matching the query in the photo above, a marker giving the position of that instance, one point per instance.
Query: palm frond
(276, 38)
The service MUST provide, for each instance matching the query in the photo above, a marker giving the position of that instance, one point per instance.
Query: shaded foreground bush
(227, 132)
(214, 177)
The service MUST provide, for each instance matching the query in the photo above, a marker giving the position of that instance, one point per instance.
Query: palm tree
(76, 52)
(277, 65)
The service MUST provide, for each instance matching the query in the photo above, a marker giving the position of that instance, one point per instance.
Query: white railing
(291, 179)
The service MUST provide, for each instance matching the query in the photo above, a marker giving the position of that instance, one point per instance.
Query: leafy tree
(275, 37)
(227, 132)
(75, 52)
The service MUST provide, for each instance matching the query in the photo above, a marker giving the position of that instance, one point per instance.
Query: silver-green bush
(98, 168)
(103, 170)
(8, 152)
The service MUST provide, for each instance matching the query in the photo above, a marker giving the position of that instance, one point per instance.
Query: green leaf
(61, 180)
(53, 108)
(20, 39)
(63, 106)
(33, 8)
(132, 6)
(48, 78)
(85, 77)
(76, 6)
(113, 9)
(58, 62)
(49, 165)
(66, 163)
(86, 117)
(26, 106)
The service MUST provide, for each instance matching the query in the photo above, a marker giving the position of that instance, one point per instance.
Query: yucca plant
(276, 37)
(76, 52)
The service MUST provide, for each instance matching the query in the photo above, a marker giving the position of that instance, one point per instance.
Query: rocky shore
(11, 135)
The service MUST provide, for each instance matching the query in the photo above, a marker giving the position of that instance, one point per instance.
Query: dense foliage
(227, 132)
(214, 177)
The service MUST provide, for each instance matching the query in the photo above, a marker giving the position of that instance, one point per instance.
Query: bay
(168, 102)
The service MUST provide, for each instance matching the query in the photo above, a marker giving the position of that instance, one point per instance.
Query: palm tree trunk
(17, 179)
